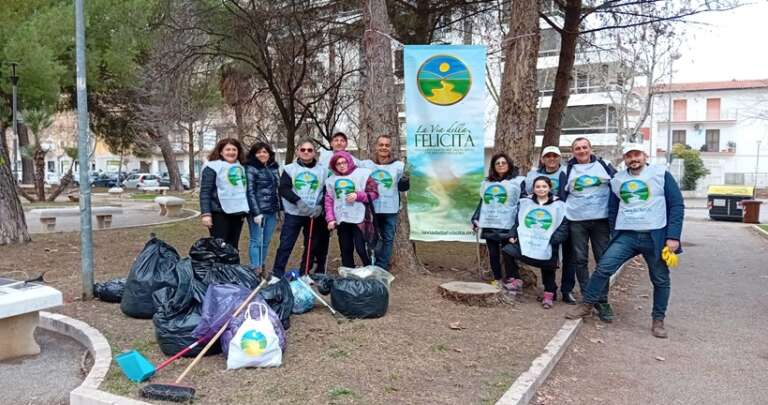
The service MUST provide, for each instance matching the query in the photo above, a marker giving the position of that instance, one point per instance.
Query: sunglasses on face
(306, 150)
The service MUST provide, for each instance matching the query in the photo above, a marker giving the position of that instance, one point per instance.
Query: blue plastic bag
(303, 299)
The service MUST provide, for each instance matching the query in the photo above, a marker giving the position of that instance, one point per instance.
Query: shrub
(693, 166)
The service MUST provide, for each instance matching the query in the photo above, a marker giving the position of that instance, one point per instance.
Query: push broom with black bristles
(177, 392)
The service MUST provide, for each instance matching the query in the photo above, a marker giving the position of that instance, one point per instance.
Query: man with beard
(646, 214)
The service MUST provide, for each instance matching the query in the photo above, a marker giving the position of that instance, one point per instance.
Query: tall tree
(516, 119)
(581, 18)
(13, 224)
(379, 108)
(37, 121)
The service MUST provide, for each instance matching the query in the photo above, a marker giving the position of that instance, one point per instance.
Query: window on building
(712, 140)
(713, 109)
(679, 110)
(678, 136)
(545, 81)
(549, 42)
(51, 166)
(583, 119)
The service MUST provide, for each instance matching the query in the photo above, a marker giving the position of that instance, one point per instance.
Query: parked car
(141, 180)
(105, 180)
(165, 181)
(52, 179)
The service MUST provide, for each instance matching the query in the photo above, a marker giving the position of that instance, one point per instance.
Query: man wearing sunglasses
(301, 189)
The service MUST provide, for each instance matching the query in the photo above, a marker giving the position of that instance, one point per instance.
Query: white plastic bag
(255, 344)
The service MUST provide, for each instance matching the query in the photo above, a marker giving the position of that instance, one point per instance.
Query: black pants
(292, 226)
(320, 243)
(227, 227)
(568, 276)
(596, 233)
(350, 240)
(548, 278)
(494, 254)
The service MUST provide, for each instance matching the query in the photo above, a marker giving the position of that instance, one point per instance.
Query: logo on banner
(382, 177)
(343, 187)
(495, 193)
(236, 175)
(306, 179)
(584, 182)
(253, 343)
(634, 191)
(539, 219)
(443, 80)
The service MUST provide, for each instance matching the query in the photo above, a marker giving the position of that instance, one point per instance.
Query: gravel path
(716, 352)
(46, 378)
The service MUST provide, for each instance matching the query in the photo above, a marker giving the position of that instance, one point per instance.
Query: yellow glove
(669, 257)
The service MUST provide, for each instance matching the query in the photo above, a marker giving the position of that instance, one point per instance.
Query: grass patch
(495, 387)
(764, 227)
(337, 392)
(439, 348)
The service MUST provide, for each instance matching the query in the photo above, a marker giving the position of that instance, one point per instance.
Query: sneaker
(548, 300)
(513, 285)
(657, 329)
(579, 311)
(604, 312)
(495, 283)
(569, 299)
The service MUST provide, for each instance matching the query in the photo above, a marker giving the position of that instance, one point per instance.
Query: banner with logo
(445, 124)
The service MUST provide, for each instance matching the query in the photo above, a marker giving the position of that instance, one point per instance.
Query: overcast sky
(730, 46)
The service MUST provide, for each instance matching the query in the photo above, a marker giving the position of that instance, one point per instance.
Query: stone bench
(170, 206)
(20, 306)
(116, 192)
(103, 215)
(153, 189)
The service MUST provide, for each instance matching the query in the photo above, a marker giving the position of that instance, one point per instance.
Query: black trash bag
(280, 298)
(214, 250)
(110, 291)
(178, 314)
(323, 282)
(356, 298)
(153, 269)
(218, 273)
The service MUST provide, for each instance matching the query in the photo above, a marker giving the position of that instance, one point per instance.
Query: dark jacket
(562, 179)
(607, 166)
(209, 197)
(496, 234)
(559, 236)
(675, 214)
(263, 181)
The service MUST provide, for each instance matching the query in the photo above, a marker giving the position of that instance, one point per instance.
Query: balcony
(728, 117)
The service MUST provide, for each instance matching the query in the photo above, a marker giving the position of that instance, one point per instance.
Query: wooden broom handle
(223, 328)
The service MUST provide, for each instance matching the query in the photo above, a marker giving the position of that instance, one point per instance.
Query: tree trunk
(516, 119)
(564, 76)
(191, 147)
(13, 225)
(63, 184)
(39, 160)
(3, 139)
(166, 150)
(239, 122)
(27, 166)
(379, 110)
(290, 144)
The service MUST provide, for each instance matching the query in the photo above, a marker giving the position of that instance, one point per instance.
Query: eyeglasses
(306, 150)
(501, 163)
(341, 162)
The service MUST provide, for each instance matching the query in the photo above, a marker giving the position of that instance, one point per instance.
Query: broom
(176, 392)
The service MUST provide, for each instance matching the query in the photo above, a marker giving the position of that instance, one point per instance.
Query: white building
(726, 121)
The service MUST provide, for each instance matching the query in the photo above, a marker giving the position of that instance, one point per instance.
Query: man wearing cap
(549, 165)
(586, 207)
(646, 214)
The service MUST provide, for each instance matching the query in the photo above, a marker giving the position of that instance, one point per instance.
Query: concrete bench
(170, 206)
(20, 306)
(157, 190)
(116, 192)
(103, 215)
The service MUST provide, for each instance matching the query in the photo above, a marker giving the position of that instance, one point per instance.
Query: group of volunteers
(571, 207)
(316, 193)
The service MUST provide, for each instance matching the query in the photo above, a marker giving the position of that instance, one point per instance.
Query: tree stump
(479, 294)
(528, 275)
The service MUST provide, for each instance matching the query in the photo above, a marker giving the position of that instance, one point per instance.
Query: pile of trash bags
(190, 299)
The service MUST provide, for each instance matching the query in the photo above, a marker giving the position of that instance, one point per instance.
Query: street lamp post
(757, 161)
(15, 121)
(672, 59)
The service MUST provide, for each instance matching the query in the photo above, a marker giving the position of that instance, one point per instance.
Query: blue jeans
(260, 236)
(625, 246)
(386, 225)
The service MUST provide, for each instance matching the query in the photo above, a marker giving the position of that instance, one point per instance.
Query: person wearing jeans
(348, 192)
(263, 200)
(646, 211)
(388, 173)
(586, 208)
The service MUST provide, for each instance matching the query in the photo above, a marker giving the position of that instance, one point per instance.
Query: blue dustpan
(135, 366)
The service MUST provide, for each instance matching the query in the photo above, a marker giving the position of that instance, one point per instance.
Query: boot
(657, 329)
(548, 300)
(579, 311)
(569, 299)
(604, 312)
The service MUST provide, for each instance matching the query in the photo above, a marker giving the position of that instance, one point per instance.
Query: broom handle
(223, 328)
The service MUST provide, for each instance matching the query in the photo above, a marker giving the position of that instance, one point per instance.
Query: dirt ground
(409, 356)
